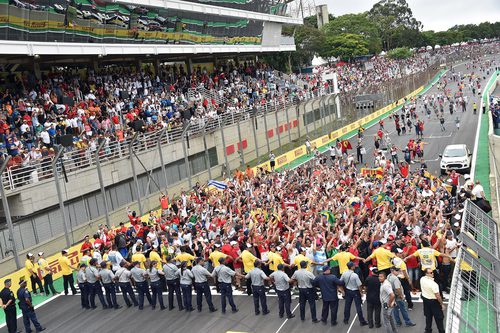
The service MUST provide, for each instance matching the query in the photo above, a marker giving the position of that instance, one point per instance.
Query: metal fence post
(101, 181)
(267, 136)
(186, 159)
(207, 156)
(288, 127)
(59, 194)
(162, 133)
(253, 120)
(224, 147)
(6, 210)
(240, 143)
(277, 122)
(298, 118)
(132, 164)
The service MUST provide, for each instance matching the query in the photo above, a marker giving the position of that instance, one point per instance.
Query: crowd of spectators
(101, 105)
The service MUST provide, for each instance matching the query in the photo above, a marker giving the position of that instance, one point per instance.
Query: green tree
(358, 24)
(345, 46)
(400, 53)
(393, 19)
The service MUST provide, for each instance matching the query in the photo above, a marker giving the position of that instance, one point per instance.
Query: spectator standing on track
(352, 293)
(257, 278)
(67, 272)
(388, 301)
(328, 285)
(27, 308)
(433, 302)
(307, 293)
(373, 306)
(282, 284)
(46, 274)
(8, 304)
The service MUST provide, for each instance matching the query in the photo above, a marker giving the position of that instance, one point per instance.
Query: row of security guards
(181, 281)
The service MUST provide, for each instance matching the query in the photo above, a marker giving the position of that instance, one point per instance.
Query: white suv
(455, 157)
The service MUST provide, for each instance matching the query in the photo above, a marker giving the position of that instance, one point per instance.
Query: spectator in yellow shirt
(155, 256)
(32, 273)
(302, 257)
(248, 260)
(139, 256)
(46, 273)
(67, 272)
(343, 258)
(274, 258)
(185, 256)
(383, 257)
(216, 255)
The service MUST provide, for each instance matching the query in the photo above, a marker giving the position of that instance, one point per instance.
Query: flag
(346, 144)
(217, 184)
(380, 198)
(376, 172)
(329, 216)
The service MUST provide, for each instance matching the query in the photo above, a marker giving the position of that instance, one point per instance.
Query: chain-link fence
(475, 290)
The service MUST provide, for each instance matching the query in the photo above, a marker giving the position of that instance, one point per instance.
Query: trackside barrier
(474, 298)
(74, 255)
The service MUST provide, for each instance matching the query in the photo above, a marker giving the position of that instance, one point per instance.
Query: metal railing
(474, 304)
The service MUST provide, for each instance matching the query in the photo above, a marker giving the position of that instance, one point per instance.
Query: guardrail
(474, 304)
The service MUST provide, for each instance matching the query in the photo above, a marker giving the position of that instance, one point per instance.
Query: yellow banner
(73, 254)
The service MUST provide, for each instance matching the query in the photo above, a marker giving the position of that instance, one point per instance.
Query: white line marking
(36, 307)
(476, 143)
(352, 324)
(284, 322)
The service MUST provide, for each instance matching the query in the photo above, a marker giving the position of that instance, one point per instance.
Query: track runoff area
(64, 314)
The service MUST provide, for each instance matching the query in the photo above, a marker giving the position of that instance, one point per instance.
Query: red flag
(346, 144)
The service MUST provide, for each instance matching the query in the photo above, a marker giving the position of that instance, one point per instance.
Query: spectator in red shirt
(87, 245)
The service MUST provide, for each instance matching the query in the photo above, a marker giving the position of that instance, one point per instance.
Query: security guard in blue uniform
(223, 274)
(328, 283)
(282, 284)
(139, 276)
(8, 303)
(26, 306)
(172, 275)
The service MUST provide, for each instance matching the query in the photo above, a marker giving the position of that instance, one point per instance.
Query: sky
(435, 15)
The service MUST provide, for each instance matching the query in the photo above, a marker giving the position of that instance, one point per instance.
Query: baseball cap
(64, 251)
(233, 243)
(374, 270)
(326, 268)
(376, 243)
(40, 253)
(350, 264)
(280, 266)
(30, 254)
